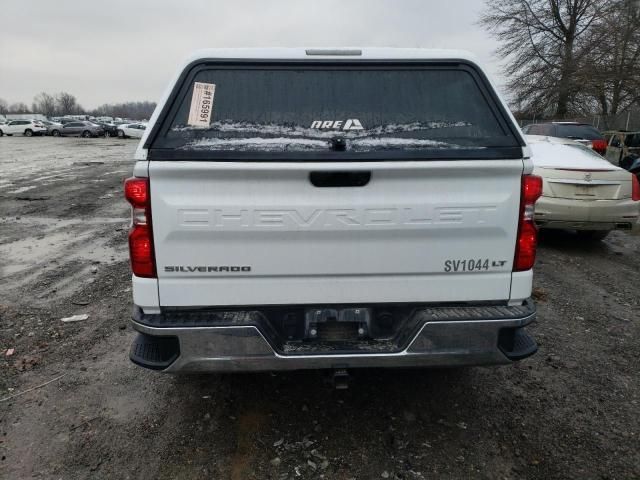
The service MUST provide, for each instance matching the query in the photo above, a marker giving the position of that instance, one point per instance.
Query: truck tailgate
(258, 233)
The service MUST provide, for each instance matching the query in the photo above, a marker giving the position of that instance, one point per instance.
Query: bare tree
(18, 107)
(613, 78)
(4, 106)
(544, 43)
(66, 104)
(45, 104)
(132, 110)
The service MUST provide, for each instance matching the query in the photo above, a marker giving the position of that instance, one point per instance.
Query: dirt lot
(571, 411)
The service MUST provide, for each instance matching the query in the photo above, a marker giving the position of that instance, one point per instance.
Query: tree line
(65, 103)
(568, 57)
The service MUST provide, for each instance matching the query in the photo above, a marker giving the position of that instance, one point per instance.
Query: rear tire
(28, 132)
(55, 133)
(86, 134)
(120, 134)
(1, 133)
(593, 235)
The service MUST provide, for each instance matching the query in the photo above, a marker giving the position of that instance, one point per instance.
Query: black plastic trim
(154, 352)
(339, 179)
(178, 317)
(493, 153)
(516, 343)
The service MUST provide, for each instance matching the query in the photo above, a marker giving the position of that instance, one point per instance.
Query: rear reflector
(527, 240)
(635, 188)
(141, 252)
(136, 191)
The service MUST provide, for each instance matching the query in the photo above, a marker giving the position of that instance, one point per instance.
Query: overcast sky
(125, 50)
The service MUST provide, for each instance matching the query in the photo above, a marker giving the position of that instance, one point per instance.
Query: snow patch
(297, 131)
(387, 142)
(22, 189)
(256, 143)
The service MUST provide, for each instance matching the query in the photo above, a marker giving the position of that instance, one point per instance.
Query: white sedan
(581, 190)
(131, 130)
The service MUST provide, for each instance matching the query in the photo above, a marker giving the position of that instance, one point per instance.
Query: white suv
(27, 128)
(332, 209)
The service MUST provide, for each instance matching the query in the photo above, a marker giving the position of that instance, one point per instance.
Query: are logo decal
(344, 125)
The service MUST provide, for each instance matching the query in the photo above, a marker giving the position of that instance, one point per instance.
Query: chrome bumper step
(247, 340)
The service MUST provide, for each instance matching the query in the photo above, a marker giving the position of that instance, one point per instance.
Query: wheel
(1, 133)
(28, 132)
(593, 235)
(55, 133)
(106, 134)
(120, 134)
(86, 134)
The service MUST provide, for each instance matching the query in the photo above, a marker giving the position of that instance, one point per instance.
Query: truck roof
(352, 53)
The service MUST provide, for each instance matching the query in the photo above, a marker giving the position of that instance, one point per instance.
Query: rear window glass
(586, 132)
(287, 110)
(633, 140)
(539, 129)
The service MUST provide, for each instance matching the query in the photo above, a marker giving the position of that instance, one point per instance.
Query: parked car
(581, 190)
(283, 238)
(64, 121)
(27, 128)
(131, 130)
(623, 148)
(51, 125)
(583, 133)
(78, 129)
(110, 129)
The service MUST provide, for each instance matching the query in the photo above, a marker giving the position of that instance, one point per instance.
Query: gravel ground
(571, 411)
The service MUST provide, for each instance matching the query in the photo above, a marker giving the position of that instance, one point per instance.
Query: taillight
(599, 146)
(527, 240)
(136, 191)
(635, 188)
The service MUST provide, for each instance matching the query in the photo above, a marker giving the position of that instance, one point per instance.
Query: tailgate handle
(339, 179)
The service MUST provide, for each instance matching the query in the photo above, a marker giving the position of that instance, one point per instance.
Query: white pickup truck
(297, 209)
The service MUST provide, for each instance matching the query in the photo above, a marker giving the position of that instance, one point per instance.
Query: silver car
(50, 126)
(78, 129)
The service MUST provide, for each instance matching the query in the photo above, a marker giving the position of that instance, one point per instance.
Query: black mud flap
(156, 353)
(516, 343)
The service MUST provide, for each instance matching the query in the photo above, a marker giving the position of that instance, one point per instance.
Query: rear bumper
(586, 214)
(444, 337)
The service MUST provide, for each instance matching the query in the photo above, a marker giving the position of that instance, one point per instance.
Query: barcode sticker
(201, 105)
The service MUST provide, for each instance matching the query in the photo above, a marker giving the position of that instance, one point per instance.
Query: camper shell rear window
(316, 111)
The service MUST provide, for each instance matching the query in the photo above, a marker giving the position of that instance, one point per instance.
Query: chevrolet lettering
(345, 217)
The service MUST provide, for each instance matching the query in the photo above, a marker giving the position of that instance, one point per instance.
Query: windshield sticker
(201, 109)
(345, 125)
